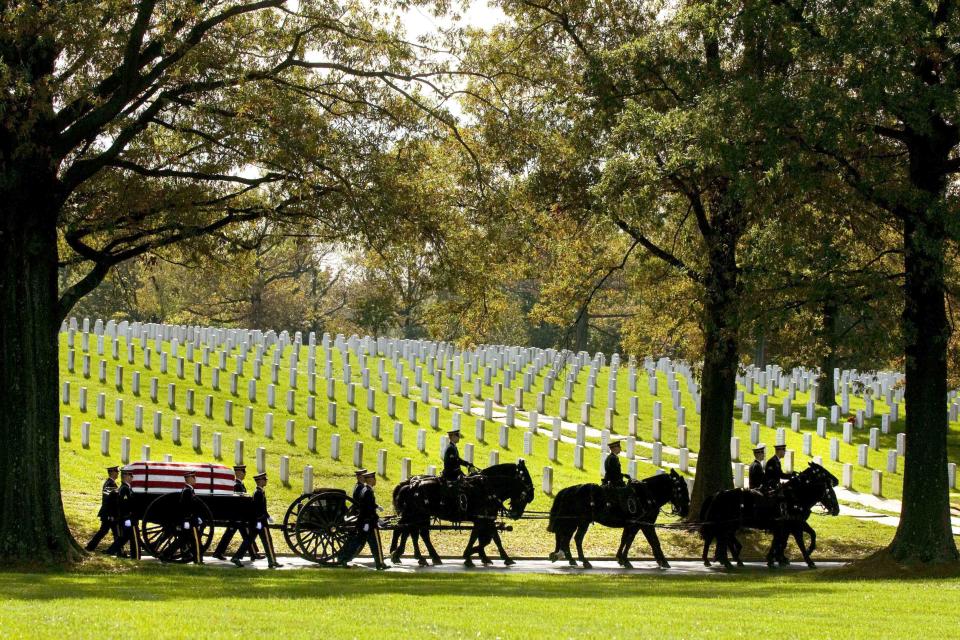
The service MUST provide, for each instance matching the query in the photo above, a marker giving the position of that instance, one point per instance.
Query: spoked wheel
(290, 521)
(322, 527)
(161, 534)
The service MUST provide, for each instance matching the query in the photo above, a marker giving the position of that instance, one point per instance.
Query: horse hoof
(739, 563)
(771, 564)
(468, 563)
(664, 565)
(706, 563)
(626, 564)
(811, 564)
(396, 560)
(422, 562)
(436, 561)
(727, 565)
(784, 563)
(587, 565)
(554, 556)
(573, 563)
(487, 562)
(509, 562)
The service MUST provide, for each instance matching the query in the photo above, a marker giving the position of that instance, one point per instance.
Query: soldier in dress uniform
(108, 510)
(757, 474)
(239, 473)
(451, 458)
(367, 524)
(260, 519)
(126, 522)
(613, 475)
(189, 516)
(773, 472)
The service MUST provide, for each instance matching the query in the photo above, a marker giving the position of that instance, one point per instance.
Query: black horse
(634, 510)
(784, 514)
(478, 498)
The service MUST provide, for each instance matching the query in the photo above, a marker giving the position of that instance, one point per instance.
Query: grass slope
(82, 468)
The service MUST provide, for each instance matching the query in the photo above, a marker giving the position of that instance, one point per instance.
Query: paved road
(453, 565)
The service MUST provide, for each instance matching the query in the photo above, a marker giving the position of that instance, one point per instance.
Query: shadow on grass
(157, 583)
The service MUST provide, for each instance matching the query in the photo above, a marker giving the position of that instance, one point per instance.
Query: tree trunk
(582, 335)
(719, 382)
(826, 390)
(32, 522)
(924, 533)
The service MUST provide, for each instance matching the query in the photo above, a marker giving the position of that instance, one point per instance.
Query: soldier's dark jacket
(757, 475)
(452, 463)
(612, 473)
(108, 501)
(773, 473)
(260, 506)
(367, 506)
(125, 502)
(188, 504)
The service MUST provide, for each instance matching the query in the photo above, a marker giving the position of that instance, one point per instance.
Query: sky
(418, 21)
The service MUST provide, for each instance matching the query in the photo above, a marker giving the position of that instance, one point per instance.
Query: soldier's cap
(780, 446)
(126, 472)
(369, 474)
(360, 472)
(189, 474)
(615, 442)
(453, 431)
(113, 468)
(240, 467)
(760, 448)
(260, 476)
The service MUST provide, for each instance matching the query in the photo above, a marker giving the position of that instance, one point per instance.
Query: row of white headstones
(441, 359)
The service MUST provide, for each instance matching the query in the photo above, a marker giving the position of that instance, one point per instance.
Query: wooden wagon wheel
(160, 529)
(323, 526)
(290, 521)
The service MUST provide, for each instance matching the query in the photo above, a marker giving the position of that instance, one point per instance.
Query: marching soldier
(258, 526)
(773, 472)
(613, 475)
(451, 458)
(126, 523)
(239, 472)
(367, 524)
(757, 474)
(108, 510)
(188, 514)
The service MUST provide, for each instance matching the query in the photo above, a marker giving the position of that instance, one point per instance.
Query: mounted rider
(773, 471)
(616, 483)
(613, 475)
(452, 460)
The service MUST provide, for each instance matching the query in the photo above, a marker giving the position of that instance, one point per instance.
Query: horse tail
(704, 510)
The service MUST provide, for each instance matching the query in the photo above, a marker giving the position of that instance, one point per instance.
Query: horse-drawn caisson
(323, 526)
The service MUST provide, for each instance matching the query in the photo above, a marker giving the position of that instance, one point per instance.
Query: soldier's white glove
(186, 525)
(127, 523)
(199, 522)
(259, 526)
(366, 528)
(269, 519)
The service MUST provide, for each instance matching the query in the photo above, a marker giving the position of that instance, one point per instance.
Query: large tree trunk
(719, 376)
(924, 533)
(826, 390)
(32, 522)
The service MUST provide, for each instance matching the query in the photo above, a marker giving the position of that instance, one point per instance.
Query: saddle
(459, 494)
(621, 499)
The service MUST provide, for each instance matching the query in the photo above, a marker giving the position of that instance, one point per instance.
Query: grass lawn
(182, 602)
